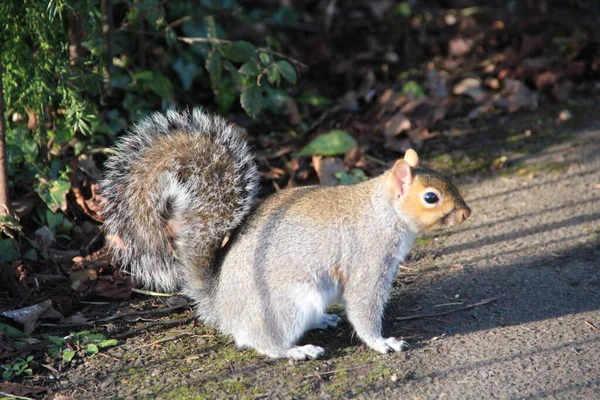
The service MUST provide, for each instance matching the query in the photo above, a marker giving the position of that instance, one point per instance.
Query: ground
(531, 245)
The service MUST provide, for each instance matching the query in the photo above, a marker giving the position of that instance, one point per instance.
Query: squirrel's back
(178, 184)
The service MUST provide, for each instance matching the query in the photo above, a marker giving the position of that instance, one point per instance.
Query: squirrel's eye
(430, 198)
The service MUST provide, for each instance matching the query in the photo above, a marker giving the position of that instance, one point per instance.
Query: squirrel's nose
(463, 213)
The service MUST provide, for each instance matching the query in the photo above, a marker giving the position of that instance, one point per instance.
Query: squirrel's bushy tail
(178, 184)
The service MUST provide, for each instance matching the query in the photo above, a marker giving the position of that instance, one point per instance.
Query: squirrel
(181, 182)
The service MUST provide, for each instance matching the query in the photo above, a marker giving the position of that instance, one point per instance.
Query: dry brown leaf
(470, 87)
(459, 46)
(516, 96)
(23, 391)
(395, 125)
(28, 316)
(562, 90)
(436, 84)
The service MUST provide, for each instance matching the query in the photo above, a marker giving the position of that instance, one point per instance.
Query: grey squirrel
(181, 182)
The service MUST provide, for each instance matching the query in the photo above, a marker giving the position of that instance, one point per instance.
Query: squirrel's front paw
(390, 344)
(395, 344)
(305, 352)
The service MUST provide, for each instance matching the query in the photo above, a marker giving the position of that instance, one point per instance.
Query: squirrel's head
(425, 196)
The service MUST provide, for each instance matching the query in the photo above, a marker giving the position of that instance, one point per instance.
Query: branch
(189, 40)
(480, 303)
(4, 196)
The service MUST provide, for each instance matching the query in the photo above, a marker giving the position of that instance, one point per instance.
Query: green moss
(183, 393)
(423, 241)
(231, 387)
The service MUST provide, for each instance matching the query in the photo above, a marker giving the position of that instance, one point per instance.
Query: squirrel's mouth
(456, 216)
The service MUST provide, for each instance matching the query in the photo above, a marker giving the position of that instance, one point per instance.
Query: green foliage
(258, 73)
(8, 250)
(414, 89)
(355, 175)
(60, 104)
(333, 143)
(12, 332)
(19, 367)
(92, 343)
(46, 91)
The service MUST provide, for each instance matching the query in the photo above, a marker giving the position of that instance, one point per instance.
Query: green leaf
(170, 36)
(238, 52)
(68, 355)
(273, 75)
(211, 27)
(31, 254)
(313, 100)
(265, 58)
(155, 82)
(8, 250)
(7, 374)
(54, 220)
(235, 75)
(334, 143)
(92, 349)
(226, 96)
(251, 68)
(11, 332)
(355, 175)
(108, 343)
(56, 340)
(214, 68)
(287, 71)
(412, 87)
(252, 100)
(186, 70)
(55, 194)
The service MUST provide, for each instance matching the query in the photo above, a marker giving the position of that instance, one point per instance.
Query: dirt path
(532, 242)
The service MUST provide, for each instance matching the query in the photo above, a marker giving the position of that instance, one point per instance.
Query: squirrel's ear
(411, 157)
(401, 177)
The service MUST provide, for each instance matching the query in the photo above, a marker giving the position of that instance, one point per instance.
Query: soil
(532, 244)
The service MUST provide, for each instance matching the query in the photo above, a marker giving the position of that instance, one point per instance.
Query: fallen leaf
(470, 87)
(562, 90)
(516, 96)
(23, 391)
(459, 46)
(396, 125)
(112, 287)
(565, 115)
(436, 85)
(28, 316)
(531, 45)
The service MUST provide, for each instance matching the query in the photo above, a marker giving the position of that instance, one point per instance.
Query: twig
(335, 371)
(480, 303)
(153, 324)
(150, 293)
(12, 396)
(167, 339)
(143, 313)
(448, 304)
(192, 40)
(591, 325)
(108, 356)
